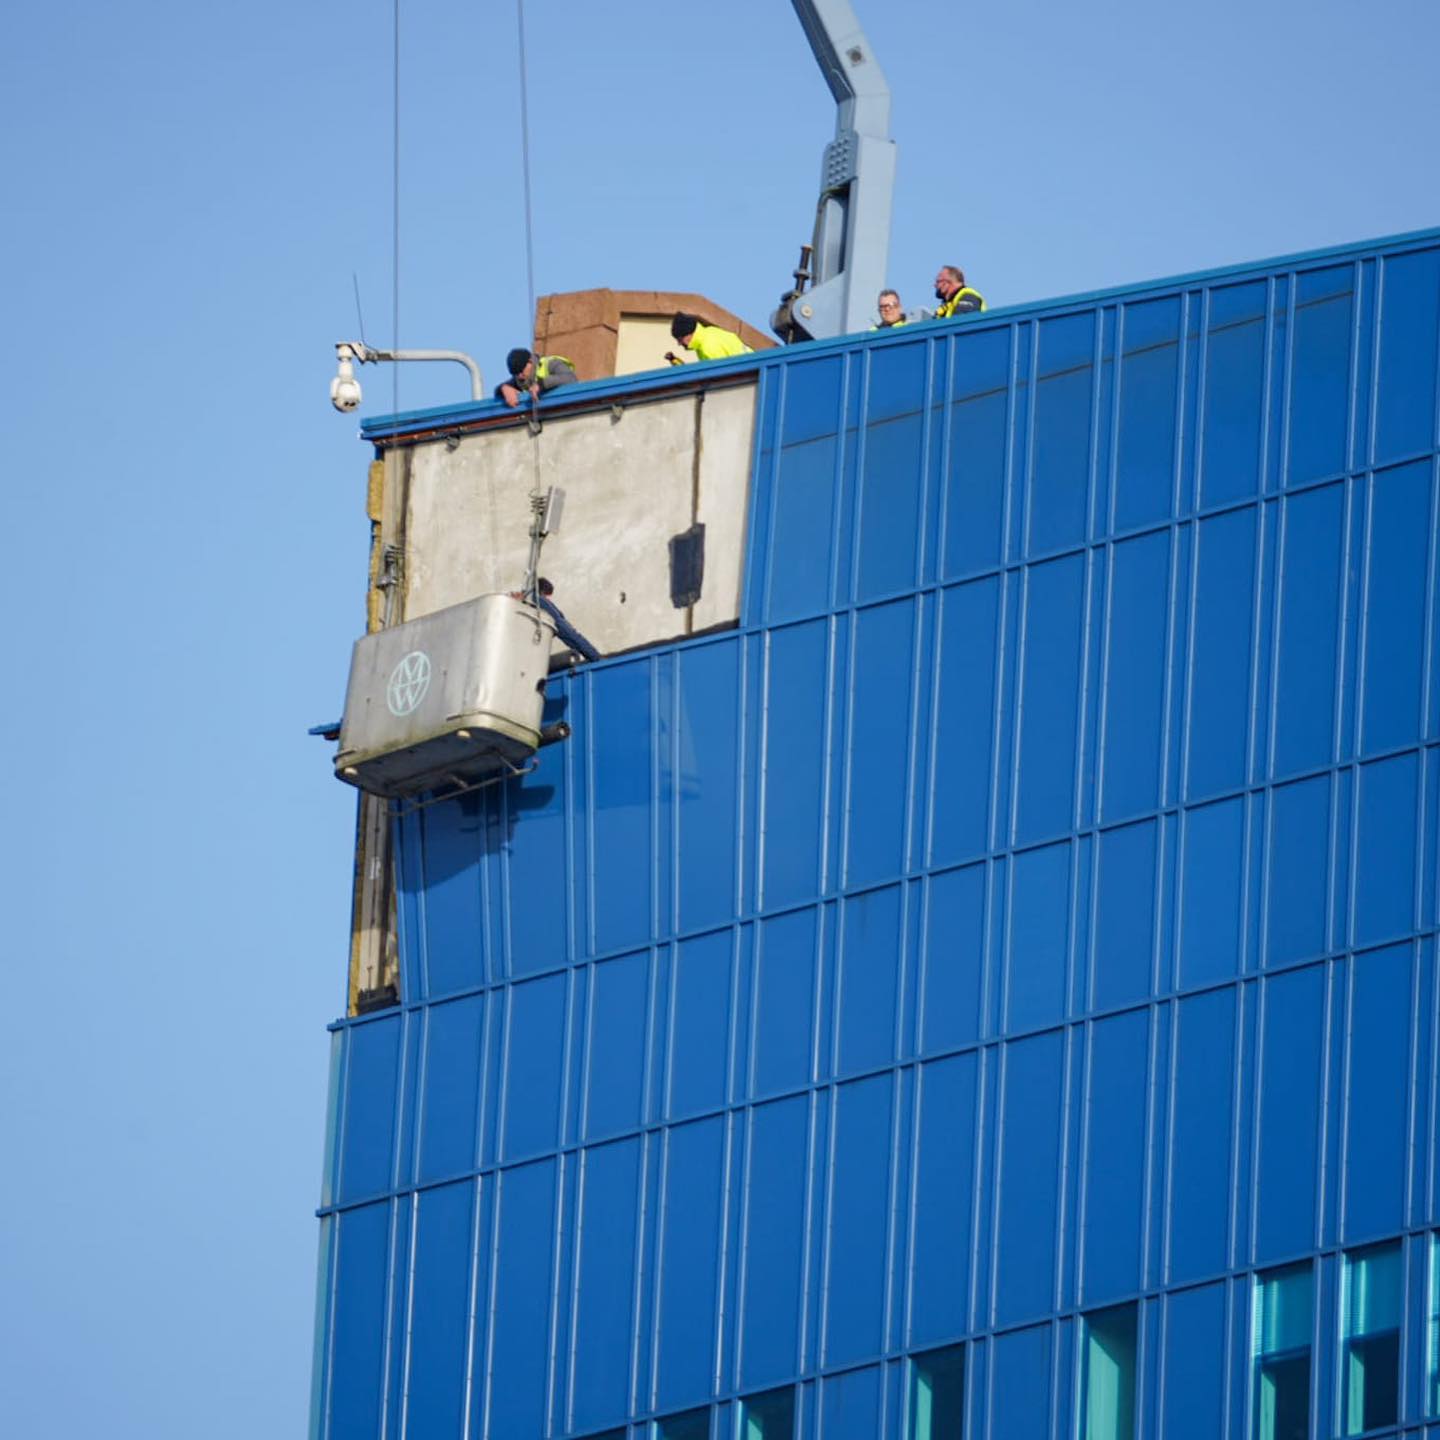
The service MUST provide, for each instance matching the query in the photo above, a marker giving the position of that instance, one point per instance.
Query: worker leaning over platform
(954, 295)
(565, 632)
(709, 342)
(892, 313)
(532, 374)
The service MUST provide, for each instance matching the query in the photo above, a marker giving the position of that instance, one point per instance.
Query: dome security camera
(345, 388)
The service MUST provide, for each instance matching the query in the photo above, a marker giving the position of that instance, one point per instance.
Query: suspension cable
(525, 165)
(395, 222)
(534, 418)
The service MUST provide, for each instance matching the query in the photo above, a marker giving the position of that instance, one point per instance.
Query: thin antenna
(359, 313)
(395, 256)
(525, 166)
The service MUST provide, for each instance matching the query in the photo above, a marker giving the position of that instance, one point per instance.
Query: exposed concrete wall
(633, 479)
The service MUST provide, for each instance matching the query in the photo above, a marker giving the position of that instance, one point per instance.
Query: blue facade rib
(1029, 909)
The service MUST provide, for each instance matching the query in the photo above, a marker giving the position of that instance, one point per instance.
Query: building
(971, 970)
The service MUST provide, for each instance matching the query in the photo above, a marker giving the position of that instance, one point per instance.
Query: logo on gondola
(409, 681)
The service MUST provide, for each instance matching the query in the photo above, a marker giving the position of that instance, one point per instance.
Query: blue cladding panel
(1385, 850)
(851, 1405)
(1050, 703)
(1219, 699)
(1039, 938)
(1194, 1365)
(371, 1081)
(1320, 374)
(950, 996)
(1149, 373)
(1290, 1101)
(1059, 482)
(860, 1174)
(604, 1301)
(700, 996)
(620, 702)
(1379, 1034)
(794, 760)
(1135, 677)
(707, 767)
(883, 670)
(774, 1228)
(975, 480)
(1395, 607)
(1234, 394)
(615, 1068)
(359, 1321)
(1311, 566)
(940, 1268)
(1115, 1158)
(1299, 857)
(534, 1072)
(521, 1304)
(784, 989)
(450, 1090)
(1030, 906)
(869, 980)
(891, 476)
(1125, 920)
(1212, 896)
(435, 1389)
(965, 720)
(690, 1263)
(1409, 318)
(453, 841)
(804, 509)
(1201, 1125)
(1029, 1161)
(535, 862)
(1020, 1401)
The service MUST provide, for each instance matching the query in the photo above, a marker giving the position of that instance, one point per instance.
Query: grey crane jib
(844, 265)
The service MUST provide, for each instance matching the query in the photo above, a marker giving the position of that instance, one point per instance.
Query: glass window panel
(1109, 1383)
(770, 1416)
(937, 1394)
(689, 1425)
(1281, 1326)
(1370, 1325)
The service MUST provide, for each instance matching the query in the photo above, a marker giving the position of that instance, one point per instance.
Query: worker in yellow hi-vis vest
(532, 374)
(707, 342)
(954, 295)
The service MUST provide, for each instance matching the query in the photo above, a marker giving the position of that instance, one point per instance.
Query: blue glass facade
(992, 990)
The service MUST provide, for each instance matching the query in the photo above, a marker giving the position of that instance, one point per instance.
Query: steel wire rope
(534, 418)
(395, 215)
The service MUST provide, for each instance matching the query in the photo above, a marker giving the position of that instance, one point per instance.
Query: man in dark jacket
(532, 374)
(565, 632)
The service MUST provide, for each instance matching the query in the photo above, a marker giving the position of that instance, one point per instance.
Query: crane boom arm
(857, 180)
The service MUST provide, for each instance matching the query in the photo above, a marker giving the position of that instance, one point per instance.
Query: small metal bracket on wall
(392, 577)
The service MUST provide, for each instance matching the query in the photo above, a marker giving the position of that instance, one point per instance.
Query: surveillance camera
(345, 393)
(345, 388)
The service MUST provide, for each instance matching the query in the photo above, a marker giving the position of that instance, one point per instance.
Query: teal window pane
(1281, 1326)
(1108, 1383)
(770, 1416)
(937, 1394)
(689, 1425)
(1370, 1327)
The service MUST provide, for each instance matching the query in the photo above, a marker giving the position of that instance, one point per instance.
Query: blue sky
(188, 192)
